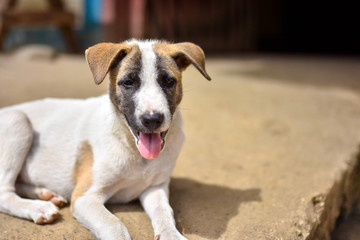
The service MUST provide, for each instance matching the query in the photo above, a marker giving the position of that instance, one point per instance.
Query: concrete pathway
(271, 152)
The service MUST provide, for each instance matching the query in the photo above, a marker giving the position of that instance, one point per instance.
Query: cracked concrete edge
(318, 216)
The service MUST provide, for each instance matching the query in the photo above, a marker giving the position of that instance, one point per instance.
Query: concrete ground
(272, 149)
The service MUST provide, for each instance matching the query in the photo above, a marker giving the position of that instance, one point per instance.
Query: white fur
(54, 129)
(150, 98)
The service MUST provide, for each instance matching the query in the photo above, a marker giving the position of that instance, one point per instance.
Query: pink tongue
(149, 145)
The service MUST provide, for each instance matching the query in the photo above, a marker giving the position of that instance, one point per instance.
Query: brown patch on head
(104, 56)
(82, 172)
(172, 59)
(184, 54)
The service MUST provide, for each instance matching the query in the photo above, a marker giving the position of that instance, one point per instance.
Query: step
(271, 152)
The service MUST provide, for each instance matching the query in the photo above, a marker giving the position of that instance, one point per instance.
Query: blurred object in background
(215, 25)
(228, 26)
(236, 26)
(36, 14)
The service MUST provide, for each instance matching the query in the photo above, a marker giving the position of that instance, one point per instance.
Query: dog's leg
(87, 204)
(30, 191)
(155, 201)
(90, 211)
(16, 136)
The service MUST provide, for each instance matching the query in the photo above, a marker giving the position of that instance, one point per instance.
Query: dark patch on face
(122, 90)
(169, 79)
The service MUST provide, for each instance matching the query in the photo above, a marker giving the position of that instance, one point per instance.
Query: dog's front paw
(43, 212)
(170, 236)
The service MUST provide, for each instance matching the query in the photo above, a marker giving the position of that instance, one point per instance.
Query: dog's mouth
(149, 144)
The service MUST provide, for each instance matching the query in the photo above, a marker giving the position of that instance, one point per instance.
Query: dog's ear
(187, 53)
(104, 56)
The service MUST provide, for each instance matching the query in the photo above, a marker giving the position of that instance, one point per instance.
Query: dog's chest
(130, 176)
(130, 187)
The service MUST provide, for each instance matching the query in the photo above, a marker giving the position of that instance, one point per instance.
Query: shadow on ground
(200, 209)
(205, 209)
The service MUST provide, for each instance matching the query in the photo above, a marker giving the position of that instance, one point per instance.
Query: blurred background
(254, 45)
(220, 27)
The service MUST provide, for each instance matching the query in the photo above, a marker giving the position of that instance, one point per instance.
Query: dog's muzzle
(149, 140)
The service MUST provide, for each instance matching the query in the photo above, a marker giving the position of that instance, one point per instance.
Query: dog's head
(145, 84)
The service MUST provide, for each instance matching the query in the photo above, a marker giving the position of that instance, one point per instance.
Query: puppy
(113, 148)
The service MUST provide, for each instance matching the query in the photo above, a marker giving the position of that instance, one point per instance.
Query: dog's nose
(152, 121)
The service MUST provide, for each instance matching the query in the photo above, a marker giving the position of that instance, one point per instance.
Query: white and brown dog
(98, 150)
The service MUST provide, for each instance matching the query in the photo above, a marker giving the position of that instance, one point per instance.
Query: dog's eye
(169, 82)
(127, 83)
